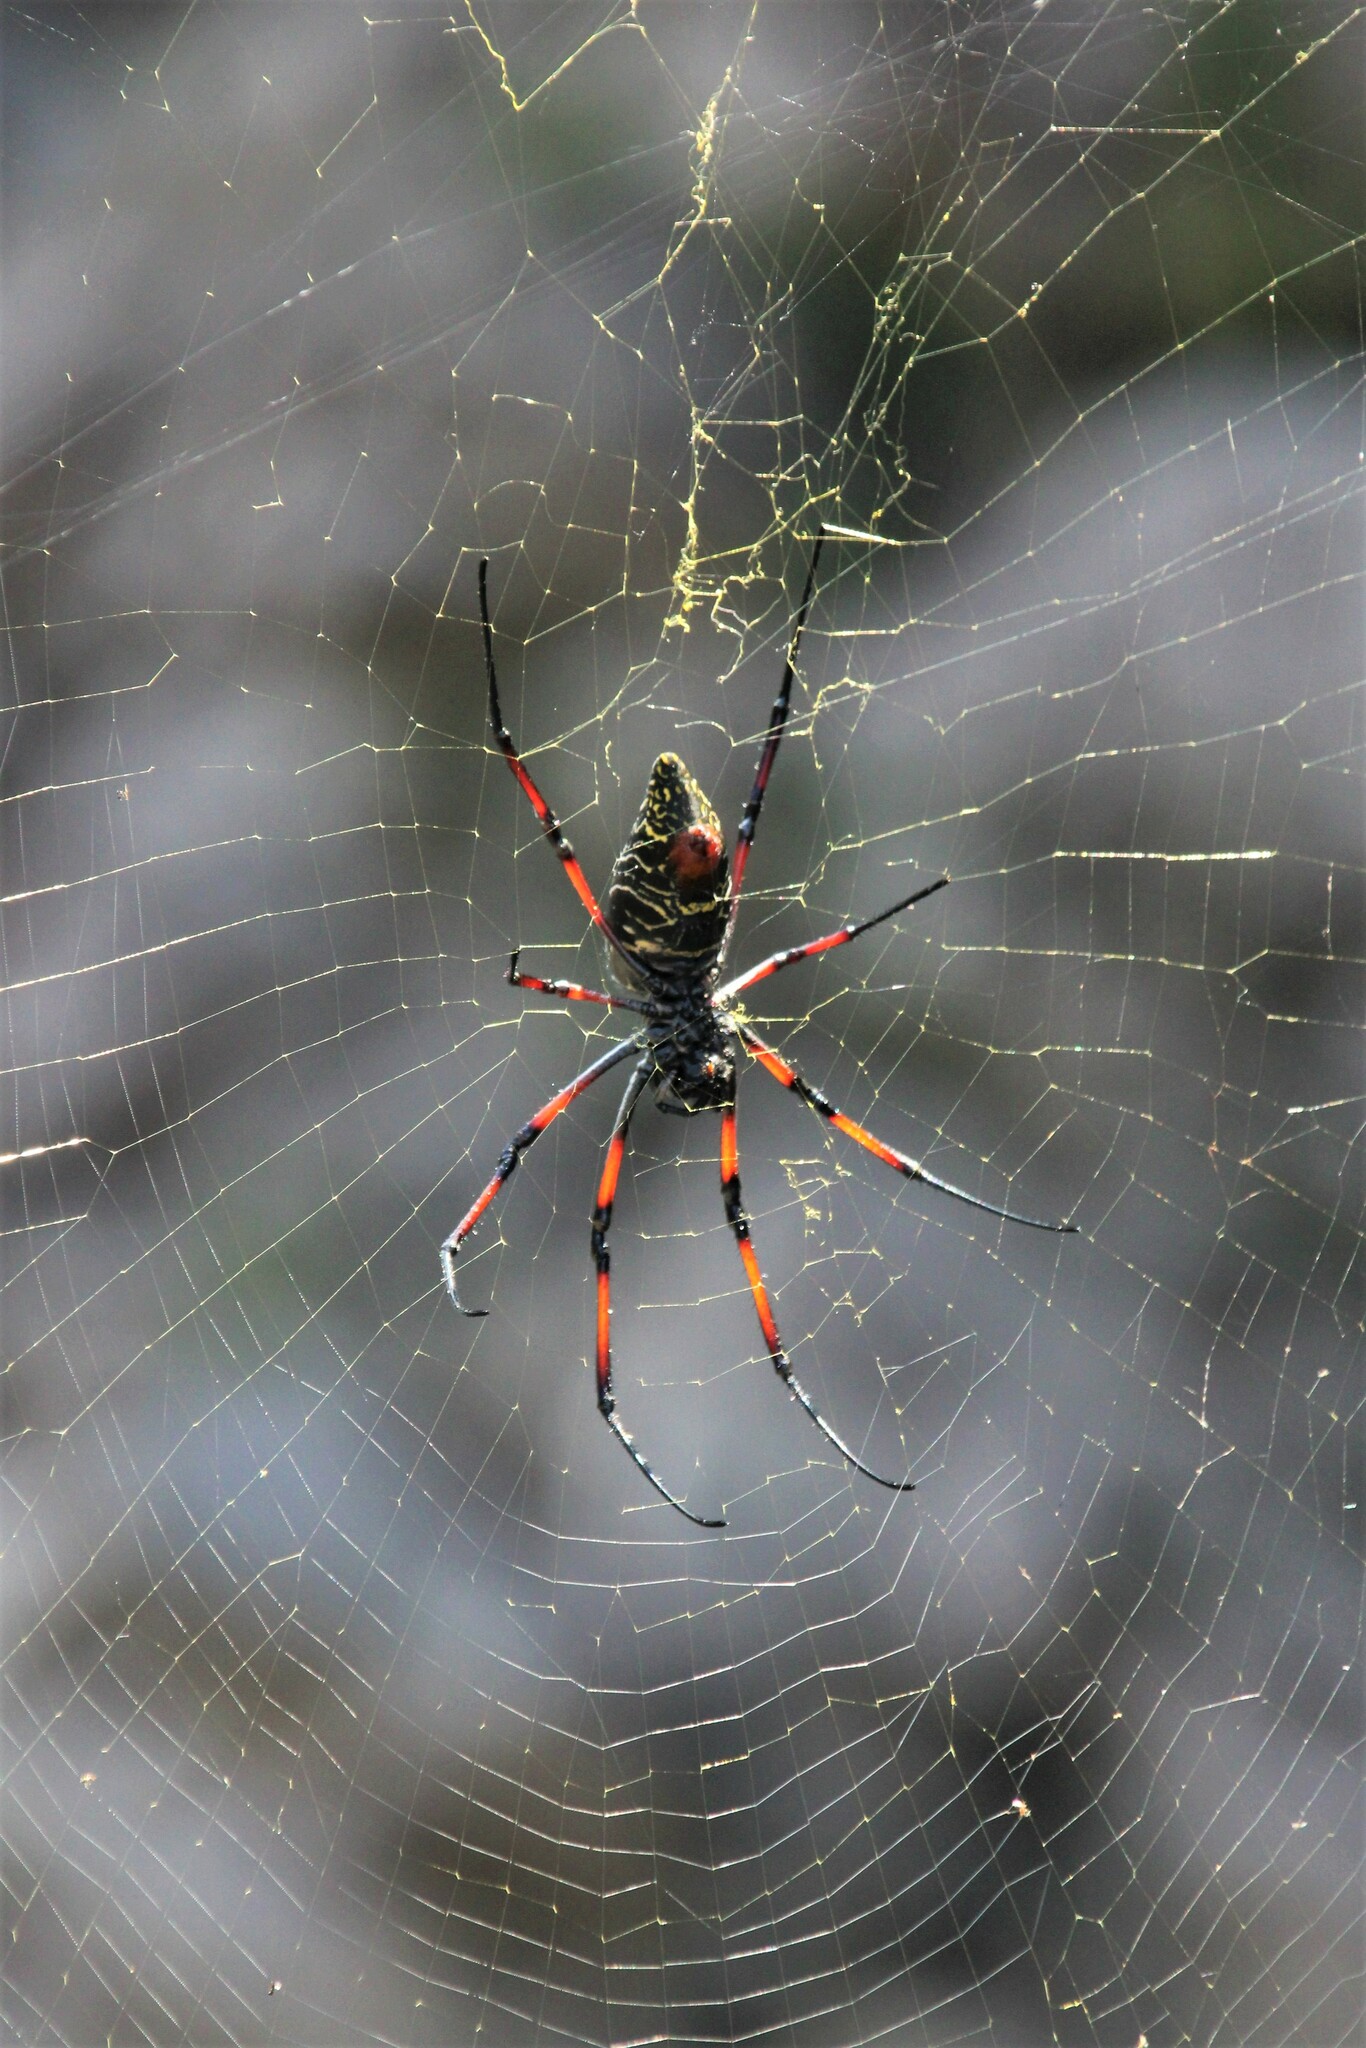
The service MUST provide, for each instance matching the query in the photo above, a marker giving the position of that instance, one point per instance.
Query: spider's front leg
(507, 1164)
(739, 1223)
(900, 1162)
(602, 1258)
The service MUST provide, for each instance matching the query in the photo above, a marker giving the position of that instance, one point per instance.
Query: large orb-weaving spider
(670, 912)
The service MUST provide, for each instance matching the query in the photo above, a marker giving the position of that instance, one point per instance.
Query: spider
(670, 911)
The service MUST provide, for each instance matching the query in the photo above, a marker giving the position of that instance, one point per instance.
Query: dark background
(356, 1687)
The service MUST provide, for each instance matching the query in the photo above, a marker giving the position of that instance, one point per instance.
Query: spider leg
(790, 1078)
(777, 721)
(507, 1164)
(602, 1223)
(813, 946)
(739, 1223)
(569, 991)
(550, 824)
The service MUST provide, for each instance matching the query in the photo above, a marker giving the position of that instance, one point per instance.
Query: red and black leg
(569, 991)
(602, 1258)
(777, 722)
(507, 1164)
(825, 945)
(739, 1223)
(550, 824)
(911, 1168)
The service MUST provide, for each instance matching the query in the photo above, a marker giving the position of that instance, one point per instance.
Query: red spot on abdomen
(696, 854)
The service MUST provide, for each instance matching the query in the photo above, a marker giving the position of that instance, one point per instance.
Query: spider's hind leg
(546, 818)
(777, 725)
(792, 954)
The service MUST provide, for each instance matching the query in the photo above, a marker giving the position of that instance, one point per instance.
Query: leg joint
(813, 1095)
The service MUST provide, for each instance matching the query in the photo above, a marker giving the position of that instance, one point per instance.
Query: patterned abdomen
(669, 900)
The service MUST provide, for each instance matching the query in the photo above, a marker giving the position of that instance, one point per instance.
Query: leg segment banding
(898, 1161)
(569, 991)
(602, 1259)
(777, 724)
(739, 1223)
(511, 1157)
(549, 823)
(842, 937)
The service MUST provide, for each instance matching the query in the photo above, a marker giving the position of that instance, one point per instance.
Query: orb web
(356, 1687)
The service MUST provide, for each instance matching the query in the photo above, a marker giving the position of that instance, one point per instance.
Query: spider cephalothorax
(689, 1042)
(669, 910)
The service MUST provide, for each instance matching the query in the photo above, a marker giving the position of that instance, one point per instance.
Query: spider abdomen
(669, 898)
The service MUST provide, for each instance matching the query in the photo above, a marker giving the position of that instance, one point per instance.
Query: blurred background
(356, 1687)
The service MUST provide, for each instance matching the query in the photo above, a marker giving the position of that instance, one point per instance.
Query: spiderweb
(356, 1688)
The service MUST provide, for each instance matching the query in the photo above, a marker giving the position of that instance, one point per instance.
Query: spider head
(696, 1078)
(669, 900)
